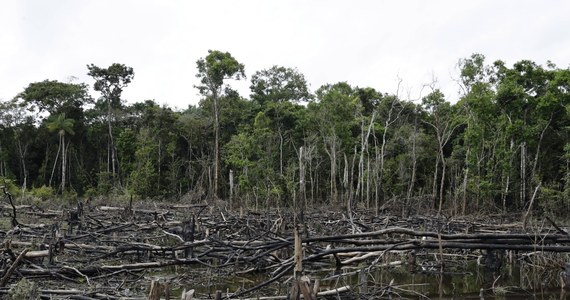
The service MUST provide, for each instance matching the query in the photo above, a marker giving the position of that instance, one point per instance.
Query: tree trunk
(435, 176)
(2, 165)
(368, 182)
(22, 153)
(280, 151)
(63, 161)
(55, 162)
(231, 188)
(414, 167)
(216, 145)
(302, 194)
(523, 175)
(364, 150)
(382, 155)
(465, 180)
(533, 176)
(111, 143)
(529, 209)
(345, 185)
(159, 164)
(331, 141)
(441, 184)
(508, 179)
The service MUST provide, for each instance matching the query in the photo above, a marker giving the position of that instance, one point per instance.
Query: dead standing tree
(11, 201)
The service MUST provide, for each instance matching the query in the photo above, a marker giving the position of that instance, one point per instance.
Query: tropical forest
(416, 170)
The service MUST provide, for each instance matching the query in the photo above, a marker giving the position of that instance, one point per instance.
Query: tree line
(504, 146)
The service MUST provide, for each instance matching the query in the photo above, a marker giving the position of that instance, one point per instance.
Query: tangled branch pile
(102, 252)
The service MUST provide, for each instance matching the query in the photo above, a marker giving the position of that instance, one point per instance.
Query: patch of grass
(24, 290)
(5, 224)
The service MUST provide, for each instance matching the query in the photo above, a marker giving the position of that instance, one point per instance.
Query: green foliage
(91, 192)
(55, 97)
(126, 147)
(370, 99)
(508, 134)
(104, 183)
(213, 71)
(336, 113)
(239, 151)
(552, 202)
(60, 124)
(24, 290)
(43, 192)
(215, 68)
(69, 196)
(279, 84)
(10, 186)
(111, 81)
(144, 178)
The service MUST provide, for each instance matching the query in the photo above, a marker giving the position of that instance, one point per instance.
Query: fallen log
(97, 270)
(351, 238)
(111, 250)
(12, 268)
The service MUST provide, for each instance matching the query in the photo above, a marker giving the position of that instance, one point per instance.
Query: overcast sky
(365, 43)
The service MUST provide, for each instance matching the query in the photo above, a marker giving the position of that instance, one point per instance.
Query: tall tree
(279, 84)
(335, 114)
(213, 71)
(18, 120)
(444, 124)
(278, 91)
(56, 98)
(481, 136)
(194, 127)
(61, 125)
(111, 82)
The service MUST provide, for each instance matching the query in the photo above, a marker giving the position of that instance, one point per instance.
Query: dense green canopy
(503, 146)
